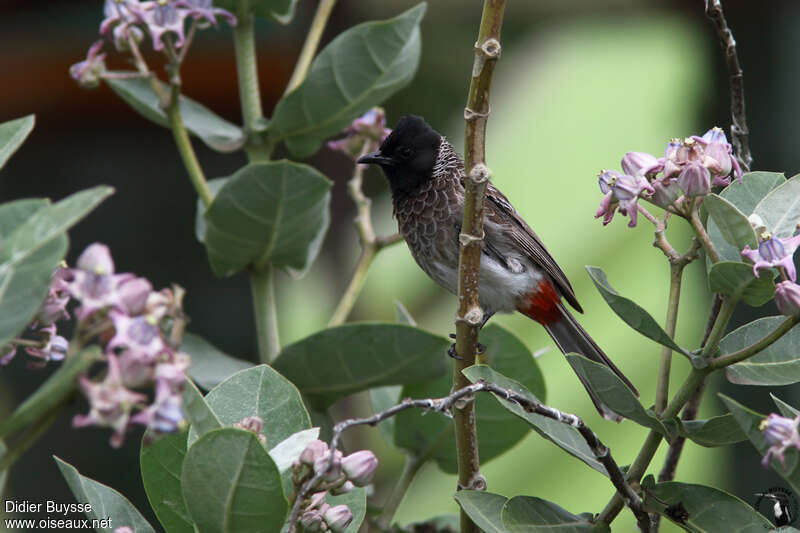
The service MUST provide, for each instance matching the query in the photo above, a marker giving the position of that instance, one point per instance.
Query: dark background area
(83, 138)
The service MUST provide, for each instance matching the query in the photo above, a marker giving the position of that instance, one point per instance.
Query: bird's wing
(500, 211)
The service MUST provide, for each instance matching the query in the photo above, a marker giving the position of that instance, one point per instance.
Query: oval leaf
(716, 431)
(161, 462)
(527, 514)
(105, 501)
(749, 421)
(230, 484)
(272, 213)
(785, 409)
(630, 312)
(732, 223)
(278, 10)
(198, 412)
(484, 508)
(498, 430)
(12, 134)
(210, 366)
(336, 362)
(359, 69)
(780, 209)
(777, 364)
(614, 393)
(703, 509)
(216, 132)
(737, 280)
(259, 391)
(562, 435)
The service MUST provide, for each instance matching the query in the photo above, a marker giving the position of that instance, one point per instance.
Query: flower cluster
(689, 168)
(368, 128)
(126, 22)
(780, 434)
(776, 252)
(338, 475)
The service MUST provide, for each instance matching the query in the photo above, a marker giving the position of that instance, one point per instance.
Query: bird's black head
(407, 155)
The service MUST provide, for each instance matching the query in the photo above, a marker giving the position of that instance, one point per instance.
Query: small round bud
(787, 298)
(338, 518)
(313, 451)
(359, 467)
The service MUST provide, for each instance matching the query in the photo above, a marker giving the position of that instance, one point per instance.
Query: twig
(702, 235)
(370, 244)
(310, 45)
(739, 131)
(447, 403)
(469, 317)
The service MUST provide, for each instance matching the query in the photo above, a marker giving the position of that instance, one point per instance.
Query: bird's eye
(405, 152)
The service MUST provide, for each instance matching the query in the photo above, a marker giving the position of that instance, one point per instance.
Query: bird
(517, 273)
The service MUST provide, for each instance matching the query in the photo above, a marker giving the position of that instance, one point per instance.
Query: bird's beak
(375, 158)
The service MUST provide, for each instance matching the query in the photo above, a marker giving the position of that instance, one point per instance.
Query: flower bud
(641, 164)
(330, 470)
(315, 449)
(96, 258)
(665, 194)
(132, 294)
(253, 424)
(338, 518)
(359, 467)
(312, 522)
(344, 489)
(316, 500)
(780, 433)
(787, 298)
(694, 179)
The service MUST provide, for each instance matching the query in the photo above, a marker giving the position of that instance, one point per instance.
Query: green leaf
(199, 219)
(53, 392)
(356, 500)
(259, 391)
(484, 508)
(777, 364)
(709, 510)
(715, 431)
(216, 132)
(447, 523)
(358, 70)
(732, 223)
(381, 399)
(12, 134)
(230, 484)
(210, 366)
(105, 501)
(527, 514)
(30, 250)
(749, 421)
(630, 312)
(161, 462)
(614, 393)
(780, 209)
(737, 280)
(498, 430)
(340, 361)
(278, 10)
(562, 435)
(785, 409)
(273, 213)
(198, 412)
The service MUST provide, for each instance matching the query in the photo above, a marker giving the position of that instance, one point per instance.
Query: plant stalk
(662, 388)
(310, 45)
(266, 314)
(410, 469)
(186, 150)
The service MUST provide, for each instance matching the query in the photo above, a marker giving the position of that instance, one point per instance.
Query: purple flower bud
(316, 500)
(717, 154)
(665, 193)
(343, 489)
(780, 433)
(89, 71)
(96, 258)
(371, 126)
(254, 425)
(132, 294)
(315, 450)
(359, 467)
(330, 470)
(774, 252)
(311, 521)
(694, 179)
(641, 164)
(338, 518)
(787, 298)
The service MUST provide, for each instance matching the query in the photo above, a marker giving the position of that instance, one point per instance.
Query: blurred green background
(579, 84)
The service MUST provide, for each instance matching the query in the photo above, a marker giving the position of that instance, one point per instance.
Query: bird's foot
(480, 349)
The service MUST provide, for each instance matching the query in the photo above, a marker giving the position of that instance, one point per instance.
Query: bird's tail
(570, 337)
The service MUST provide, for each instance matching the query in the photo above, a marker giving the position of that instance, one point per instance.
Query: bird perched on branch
(426, 177)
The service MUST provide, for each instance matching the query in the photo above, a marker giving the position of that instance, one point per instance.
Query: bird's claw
(451, 351)
(480, 349)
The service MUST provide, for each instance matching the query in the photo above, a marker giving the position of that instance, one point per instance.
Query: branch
(469, 316)
(310, 45)
(702, 235)
(448, 403)
(740, 355)
(739, 131)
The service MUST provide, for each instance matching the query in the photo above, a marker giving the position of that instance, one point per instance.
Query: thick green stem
(266, 314)
(662, 388)
(310, 46)
(410, 469)
(720, 324)
(186, 150)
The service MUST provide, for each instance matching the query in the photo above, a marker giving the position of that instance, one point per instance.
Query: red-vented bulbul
(426, 177)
